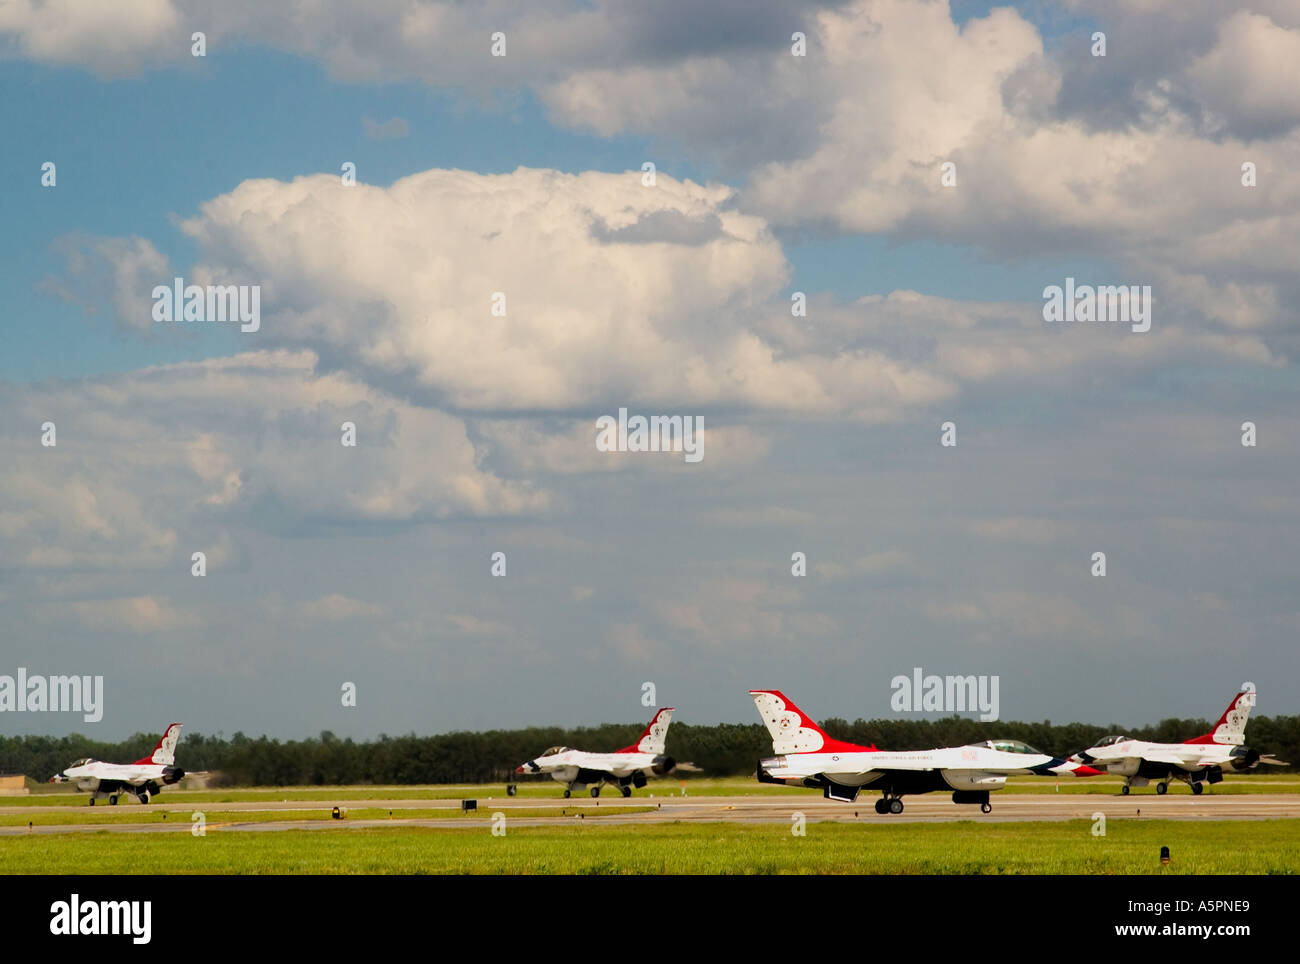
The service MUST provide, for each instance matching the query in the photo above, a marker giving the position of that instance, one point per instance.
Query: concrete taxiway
(773, 809)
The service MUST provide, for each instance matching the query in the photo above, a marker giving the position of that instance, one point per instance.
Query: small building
(14, 785)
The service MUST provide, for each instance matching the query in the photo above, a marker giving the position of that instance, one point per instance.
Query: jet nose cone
(522, 768)
(1087, 771)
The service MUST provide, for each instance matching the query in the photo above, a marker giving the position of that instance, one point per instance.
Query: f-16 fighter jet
(807, 757)
(625, 768)
(144, 778)
(1196, 762)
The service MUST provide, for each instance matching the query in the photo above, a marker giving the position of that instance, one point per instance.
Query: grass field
(145, 815)
(1130, 847)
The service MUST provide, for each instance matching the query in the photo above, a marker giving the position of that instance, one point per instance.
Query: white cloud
(148, 464)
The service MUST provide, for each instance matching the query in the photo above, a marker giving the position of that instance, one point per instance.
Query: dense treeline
(463, 757)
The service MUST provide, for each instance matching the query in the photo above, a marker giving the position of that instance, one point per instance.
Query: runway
(774, 809)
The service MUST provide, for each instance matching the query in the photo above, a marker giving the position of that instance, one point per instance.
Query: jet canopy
(1112, 740)
(82, 762)
(555, 749)
(1008, 746)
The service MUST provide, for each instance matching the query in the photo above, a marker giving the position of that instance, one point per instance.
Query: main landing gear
(1198, 788)
(1162, 788)
(112, 800)
(627, 791)
(567, 793)
(595, 791)
(889, 805)
(1124, 789)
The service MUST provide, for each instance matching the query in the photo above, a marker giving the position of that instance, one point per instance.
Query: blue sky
(328, 564)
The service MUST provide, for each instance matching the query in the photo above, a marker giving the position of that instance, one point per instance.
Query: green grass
(1130, 847)
(107, 816)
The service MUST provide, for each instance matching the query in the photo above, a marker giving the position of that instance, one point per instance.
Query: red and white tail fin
(164, 753)
(793, 731)
(652, 740)
(1231, 728)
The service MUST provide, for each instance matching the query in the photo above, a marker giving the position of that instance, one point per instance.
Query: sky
(776, 176)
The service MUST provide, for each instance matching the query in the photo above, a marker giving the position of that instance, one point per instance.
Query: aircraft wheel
(896, 805)
(627, 791)
(595, 791)
(144, 797)
(112, 800)
(92, 801)
(567, 794)
(1162, 788)
(1124, 789)
(882, 805)
(986, 807)
(1197, 788)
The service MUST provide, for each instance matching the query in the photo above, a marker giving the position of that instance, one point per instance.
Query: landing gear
(896, 805)
(1124, 789)
(1162, 788)
(595, 791)
(627, 791)
(986, 807)
(882, 805)
(92, 799)
(567, 794)
(112, 800)
(1198, 788)
(144, 796)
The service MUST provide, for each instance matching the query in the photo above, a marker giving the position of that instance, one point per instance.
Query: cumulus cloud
(1057, 152)
(152, 465)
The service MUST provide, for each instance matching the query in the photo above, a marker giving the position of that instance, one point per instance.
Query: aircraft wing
(1273, 761)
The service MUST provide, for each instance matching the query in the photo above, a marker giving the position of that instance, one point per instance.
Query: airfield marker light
(511, 789)
(336, 813)
(1164, 855)
(468, 805)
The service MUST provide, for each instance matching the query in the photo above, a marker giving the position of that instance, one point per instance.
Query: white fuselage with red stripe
(623, 768)
(973, 767)
(142, 778)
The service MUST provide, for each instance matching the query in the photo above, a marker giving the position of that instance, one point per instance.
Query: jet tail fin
(793, 731)
(655, 735)
(1231, 728)
(165, 752)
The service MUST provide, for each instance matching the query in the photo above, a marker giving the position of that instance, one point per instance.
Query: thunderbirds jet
(144, 777)
(625, 768)
(807, 757)
(1196, 762)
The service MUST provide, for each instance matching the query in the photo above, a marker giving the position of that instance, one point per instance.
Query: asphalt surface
(776, 809)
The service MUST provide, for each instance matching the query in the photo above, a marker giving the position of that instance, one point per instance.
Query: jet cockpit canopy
(1008, 746)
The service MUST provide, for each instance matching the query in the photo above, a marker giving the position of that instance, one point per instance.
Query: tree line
(723, 749)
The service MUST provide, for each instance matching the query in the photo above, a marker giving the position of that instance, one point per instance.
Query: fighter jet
(1196, 762)
(625, 768)
(144, 778)
(807, 757)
